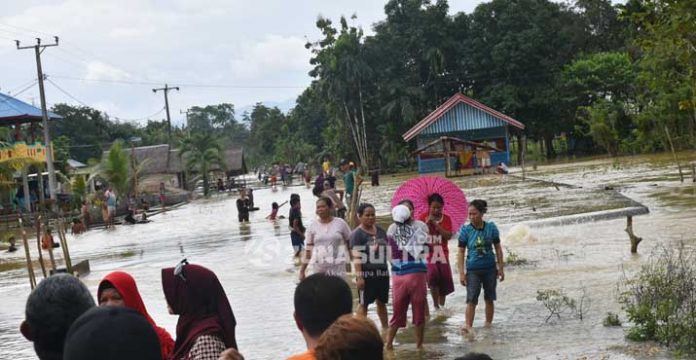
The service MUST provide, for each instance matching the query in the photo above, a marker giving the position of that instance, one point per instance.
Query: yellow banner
(21, 150)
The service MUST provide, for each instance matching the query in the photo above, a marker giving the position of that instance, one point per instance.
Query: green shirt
(349, 181)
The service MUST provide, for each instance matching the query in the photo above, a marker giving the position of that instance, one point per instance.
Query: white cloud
(273, 55)
(131, 32)
(97, 70)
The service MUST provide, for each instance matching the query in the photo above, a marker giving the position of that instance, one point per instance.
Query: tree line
(584, 77)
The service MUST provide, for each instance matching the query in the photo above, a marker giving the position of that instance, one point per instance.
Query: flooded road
(254, 264)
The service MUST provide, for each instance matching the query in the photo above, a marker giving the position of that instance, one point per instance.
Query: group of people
(411, 256)
(63, 323)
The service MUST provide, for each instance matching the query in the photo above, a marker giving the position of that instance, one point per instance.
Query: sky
(111, 54)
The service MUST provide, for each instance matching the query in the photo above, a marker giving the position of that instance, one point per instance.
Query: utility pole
(166, 90)
(38, 49)
(187, 116)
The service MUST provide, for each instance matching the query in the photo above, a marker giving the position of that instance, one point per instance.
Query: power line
(65, 92)
(191, 85)
(28, 84)
(86, 105)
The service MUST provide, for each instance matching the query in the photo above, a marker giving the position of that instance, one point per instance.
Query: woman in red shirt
(440, 232)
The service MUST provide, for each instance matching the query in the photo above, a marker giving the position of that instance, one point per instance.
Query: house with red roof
(463, 135)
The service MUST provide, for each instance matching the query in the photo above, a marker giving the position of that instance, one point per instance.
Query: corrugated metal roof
(462, 117)
(464, 109)
(13, 109)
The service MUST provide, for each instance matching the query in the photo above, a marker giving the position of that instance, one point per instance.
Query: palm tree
(200, 152)
(115, 168)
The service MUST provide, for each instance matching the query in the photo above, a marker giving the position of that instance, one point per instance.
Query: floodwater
(254, 263)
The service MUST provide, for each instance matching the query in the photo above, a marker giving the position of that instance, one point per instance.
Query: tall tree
(200, 151)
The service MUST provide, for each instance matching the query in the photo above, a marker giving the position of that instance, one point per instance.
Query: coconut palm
(199, 153)
(115, 168)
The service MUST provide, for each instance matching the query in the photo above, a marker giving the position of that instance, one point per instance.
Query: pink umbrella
(418, 189)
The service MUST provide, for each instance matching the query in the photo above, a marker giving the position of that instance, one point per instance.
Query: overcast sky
(111, 51)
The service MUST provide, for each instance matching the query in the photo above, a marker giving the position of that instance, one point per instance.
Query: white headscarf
(408, 237)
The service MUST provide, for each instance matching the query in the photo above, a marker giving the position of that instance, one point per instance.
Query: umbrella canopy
(418, 189)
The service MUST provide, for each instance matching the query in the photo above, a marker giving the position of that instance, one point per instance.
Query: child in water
(274, 212)
(47, 240)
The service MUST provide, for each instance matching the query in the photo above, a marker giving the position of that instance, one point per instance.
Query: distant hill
(284, 106)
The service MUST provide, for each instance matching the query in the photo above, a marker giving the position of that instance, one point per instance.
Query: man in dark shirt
(243, 207)
(297, 229)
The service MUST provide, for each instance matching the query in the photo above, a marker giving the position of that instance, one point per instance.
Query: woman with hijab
(327, 242)
(206, 322)
(407, 239)
(119, 289)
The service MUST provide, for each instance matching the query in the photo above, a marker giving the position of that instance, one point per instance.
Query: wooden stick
(674, 154)
(38, 244)
(64, 245)
(30, 267)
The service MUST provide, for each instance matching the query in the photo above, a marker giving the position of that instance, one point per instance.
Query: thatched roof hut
(154, 159)
(234, 161)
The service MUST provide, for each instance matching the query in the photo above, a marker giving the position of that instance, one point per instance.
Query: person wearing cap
(407, 240)
(110, 332)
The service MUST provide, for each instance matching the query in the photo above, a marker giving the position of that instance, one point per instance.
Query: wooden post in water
(674, 154)
(64, 245)
(523, 150)
(635, 240)
(38, 244)
(30, 266)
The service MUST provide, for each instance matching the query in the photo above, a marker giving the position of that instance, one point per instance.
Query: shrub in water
(612, 320)
(660, 300)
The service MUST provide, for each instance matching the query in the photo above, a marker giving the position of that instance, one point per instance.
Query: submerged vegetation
(660, 300)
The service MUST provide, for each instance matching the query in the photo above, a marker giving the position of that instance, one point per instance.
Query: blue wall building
(466, 119)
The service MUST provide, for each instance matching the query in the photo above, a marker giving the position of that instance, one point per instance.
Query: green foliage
(660, 300)
(603, 118)
(612, 319)
(556, 302)
(115, 168)
(601, 74)
(514, 259)
(200, 151)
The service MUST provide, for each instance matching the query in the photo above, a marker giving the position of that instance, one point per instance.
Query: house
(462, 134)
(233, 159)
(153, 161)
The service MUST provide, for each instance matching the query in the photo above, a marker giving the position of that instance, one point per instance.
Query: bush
(612, 320)
(556, 302)
(514, 259)
(660, 300)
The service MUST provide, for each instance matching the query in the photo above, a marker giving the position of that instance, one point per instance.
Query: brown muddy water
(254, 262)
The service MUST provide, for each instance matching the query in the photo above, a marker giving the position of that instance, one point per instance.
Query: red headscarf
(201, 303)
(125, 285)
